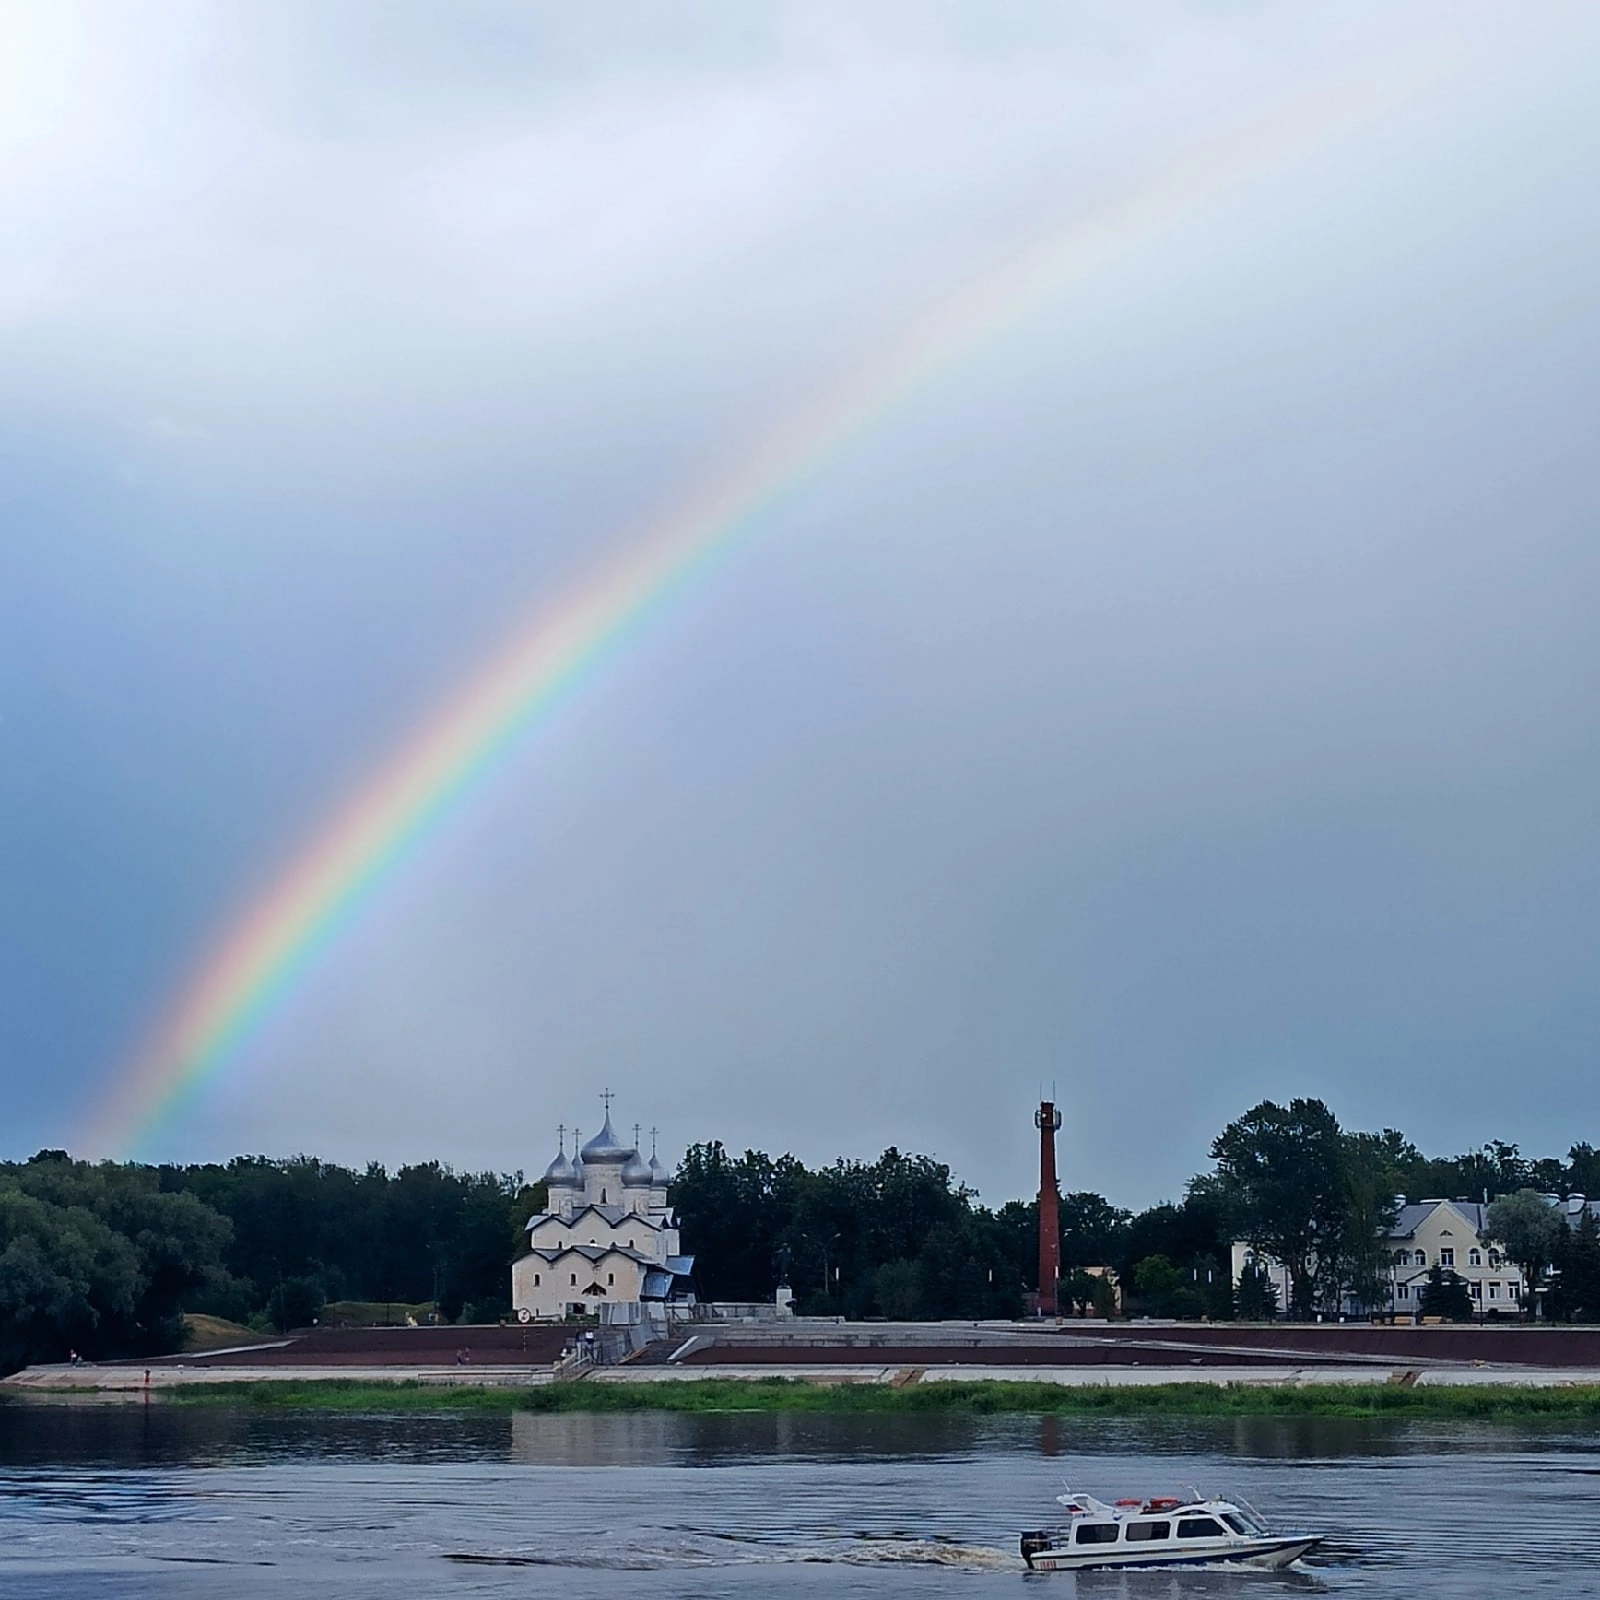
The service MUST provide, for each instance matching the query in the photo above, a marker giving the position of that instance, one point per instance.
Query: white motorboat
(1164, 1531)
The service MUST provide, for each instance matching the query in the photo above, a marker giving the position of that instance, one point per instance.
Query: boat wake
(728, 1551)
(925, 1553)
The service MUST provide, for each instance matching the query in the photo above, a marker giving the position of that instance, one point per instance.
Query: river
(178, 1502)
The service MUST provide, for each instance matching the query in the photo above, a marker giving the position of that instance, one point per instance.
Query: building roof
(593, 1253)
(612, 1216)
(606, 1146)
(1412, 1217)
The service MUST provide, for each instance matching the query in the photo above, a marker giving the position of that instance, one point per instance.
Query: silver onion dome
(605, 1146)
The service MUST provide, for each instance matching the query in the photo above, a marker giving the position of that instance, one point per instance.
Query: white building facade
(1448, 1234)
(606, 1242)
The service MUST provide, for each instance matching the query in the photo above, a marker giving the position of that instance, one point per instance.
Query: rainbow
(567, 640)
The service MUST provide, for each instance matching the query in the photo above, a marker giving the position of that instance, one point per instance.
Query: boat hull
(1265, 1553)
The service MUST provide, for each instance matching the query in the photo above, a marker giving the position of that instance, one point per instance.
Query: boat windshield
(1240, 1523)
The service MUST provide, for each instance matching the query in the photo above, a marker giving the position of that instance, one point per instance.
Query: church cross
(636, 1136)
(561, 1137)
(653, 1133)
(607, 1096)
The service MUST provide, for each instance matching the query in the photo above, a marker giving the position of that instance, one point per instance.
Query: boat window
(1239, 1522)
(1148, 1530)
(1200, 1528)
(1095, 1533)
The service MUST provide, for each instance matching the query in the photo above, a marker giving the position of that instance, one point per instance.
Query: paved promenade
(1070, 1352)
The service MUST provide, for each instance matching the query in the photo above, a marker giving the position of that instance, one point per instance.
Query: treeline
(899, 1237)
(104, 1259)
(896, 1237)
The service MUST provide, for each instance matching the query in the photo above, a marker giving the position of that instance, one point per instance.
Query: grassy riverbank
(1498, 1402)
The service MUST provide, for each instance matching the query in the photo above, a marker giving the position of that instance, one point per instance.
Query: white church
(607, 1242)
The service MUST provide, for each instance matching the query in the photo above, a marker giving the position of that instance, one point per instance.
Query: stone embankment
(1070, 1352)
(1083, 1352)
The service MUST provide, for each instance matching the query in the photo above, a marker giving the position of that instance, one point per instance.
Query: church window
(536, 1280)
(602, 1197)
(574, 1280)
(611, 1277)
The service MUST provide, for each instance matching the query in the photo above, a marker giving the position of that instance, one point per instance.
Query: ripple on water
(708, 1509)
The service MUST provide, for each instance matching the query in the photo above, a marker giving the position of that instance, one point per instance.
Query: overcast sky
(1189, 698)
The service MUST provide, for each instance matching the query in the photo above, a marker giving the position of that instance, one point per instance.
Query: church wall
(546, 1288)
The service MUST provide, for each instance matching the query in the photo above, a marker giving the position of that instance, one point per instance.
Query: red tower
(1047, 1119)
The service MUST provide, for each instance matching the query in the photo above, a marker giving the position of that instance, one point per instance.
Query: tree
(898, 1285)
(1359, 1263)
(67, 1281)
(295, 1303)
(1105, 1296)
(176, 1245)
(1583, 1170)
(1159, 1286)
(1077, 1290)
(1284, 1169)
(1092, 1230)
(1528, 1230)
(1445, 1295)
(1257, 1298)
(1575, 1294)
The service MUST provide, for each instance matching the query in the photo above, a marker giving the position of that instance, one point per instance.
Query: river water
(171, 1502)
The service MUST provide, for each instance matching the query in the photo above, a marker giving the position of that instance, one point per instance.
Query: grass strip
(1498, 1402)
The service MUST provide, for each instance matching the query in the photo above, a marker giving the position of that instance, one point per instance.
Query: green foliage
(96, 1258)
(1158, 1285)
(1583, 1172)
(1105, 1297)
(1529, 1231)
(1257, 1296)
(295, 1303)
(837, 1229)
(1575, 1295)
(1358, 1264)
(1445, 1295)
(1488, 1403)
(899, 1289)
(1284, 1168)
(424, 1234)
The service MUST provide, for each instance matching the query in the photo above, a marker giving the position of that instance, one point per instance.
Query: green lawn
(782, 1394)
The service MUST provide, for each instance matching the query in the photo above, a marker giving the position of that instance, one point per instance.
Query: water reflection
(707, 1504)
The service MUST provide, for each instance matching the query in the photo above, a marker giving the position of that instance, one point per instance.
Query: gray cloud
(1189, 700)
